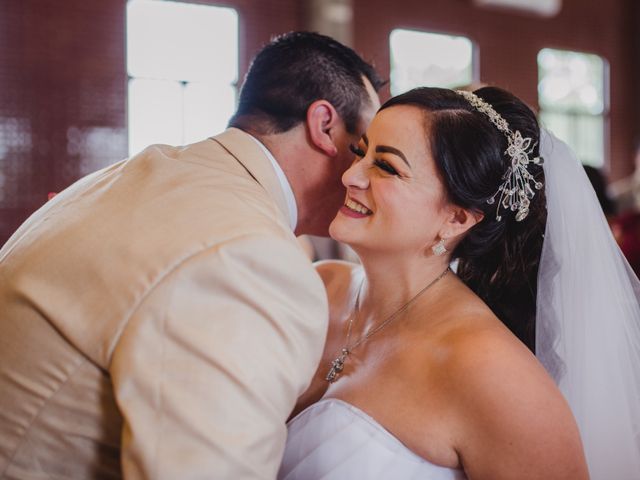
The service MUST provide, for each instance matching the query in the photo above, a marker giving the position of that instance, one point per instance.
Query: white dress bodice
(333, 440)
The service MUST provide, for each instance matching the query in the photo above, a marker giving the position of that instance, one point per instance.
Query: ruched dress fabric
(333, 440)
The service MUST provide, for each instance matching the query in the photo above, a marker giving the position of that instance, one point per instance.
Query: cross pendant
(337, 366)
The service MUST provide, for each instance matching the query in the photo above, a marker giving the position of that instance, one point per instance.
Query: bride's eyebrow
(365, 139)
(393, 150)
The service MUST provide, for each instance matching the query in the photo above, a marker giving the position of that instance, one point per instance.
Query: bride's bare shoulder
(338, 275)
(330, 268)
(512, 421)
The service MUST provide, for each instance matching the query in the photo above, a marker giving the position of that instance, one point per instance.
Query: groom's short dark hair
(293, 71)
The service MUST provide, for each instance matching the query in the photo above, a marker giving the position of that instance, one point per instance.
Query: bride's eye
(356, 151)
(382, 165)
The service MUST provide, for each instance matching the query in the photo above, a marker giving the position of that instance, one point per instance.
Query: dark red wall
(509, 42)
(63, 73)
(63, 84)
(60, 69)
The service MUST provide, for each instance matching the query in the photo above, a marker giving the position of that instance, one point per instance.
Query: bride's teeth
(357, 207)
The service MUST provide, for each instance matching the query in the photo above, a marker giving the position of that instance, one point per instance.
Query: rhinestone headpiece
(515, 193)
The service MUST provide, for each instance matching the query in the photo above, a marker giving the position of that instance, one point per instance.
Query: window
(573, 101)
(421, 59)
(182, 61)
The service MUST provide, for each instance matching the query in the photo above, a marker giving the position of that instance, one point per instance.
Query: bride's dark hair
(498, 259)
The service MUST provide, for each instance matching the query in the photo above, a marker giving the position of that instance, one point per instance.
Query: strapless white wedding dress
(333, 440)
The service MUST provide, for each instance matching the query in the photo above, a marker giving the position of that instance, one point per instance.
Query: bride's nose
(356, 176)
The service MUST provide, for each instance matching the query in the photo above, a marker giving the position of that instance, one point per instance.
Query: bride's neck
(391, 281)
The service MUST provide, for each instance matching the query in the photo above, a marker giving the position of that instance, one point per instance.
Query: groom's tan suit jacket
(157, 320)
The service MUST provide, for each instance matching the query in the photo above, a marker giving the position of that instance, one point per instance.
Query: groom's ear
(461, 220)
(323, 122)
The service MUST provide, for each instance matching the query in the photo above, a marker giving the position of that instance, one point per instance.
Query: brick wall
(63, 73)
(63, 84)
(508, 45)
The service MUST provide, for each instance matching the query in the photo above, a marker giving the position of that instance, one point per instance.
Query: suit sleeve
(212, 361)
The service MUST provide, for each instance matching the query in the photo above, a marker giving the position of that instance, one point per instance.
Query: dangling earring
(439, 248)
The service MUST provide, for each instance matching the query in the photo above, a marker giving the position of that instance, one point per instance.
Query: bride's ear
(459, 221)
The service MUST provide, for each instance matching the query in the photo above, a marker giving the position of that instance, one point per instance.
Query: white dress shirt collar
(284, 183)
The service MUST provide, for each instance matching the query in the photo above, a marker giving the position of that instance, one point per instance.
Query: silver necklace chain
(337, 365)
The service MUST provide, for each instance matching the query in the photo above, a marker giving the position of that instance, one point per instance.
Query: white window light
(573, 98)
(182, 61)
(426, 59)
(544, 8)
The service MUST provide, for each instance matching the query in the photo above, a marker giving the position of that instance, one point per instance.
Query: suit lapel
(248, 153)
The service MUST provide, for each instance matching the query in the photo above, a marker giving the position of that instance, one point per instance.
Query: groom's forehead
(369, 108)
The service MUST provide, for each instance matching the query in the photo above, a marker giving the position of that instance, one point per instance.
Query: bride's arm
(512, 420)
(338, 278)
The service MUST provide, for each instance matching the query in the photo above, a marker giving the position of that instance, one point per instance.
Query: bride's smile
(355, 209)
(394, 191)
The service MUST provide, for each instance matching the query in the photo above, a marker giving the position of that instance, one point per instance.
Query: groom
(157, 318)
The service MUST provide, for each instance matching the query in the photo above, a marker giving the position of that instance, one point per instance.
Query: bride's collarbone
(399, 378)
(406, 352)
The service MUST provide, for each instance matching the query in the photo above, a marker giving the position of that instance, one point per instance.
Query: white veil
(588, 318)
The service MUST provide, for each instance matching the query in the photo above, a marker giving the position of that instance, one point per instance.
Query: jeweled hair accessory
(515, 192)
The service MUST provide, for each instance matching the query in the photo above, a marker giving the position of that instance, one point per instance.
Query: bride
(426, 372)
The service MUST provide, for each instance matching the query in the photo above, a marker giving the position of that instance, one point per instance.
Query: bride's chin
(334, 230)
(339, 232)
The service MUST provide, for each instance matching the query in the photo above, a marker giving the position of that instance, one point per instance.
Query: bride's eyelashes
(381, 164)
(357, 150)
(386, 166)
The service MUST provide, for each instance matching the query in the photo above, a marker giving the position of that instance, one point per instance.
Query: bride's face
(395, 201)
